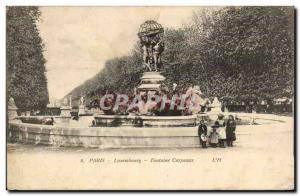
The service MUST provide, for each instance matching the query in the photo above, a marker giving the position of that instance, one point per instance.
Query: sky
(78, 40)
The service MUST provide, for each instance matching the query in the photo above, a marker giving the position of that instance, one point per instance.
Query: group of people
(222, 132)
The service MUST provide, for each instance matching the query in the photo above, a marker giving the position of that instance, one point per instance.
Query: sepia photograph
(150, 98)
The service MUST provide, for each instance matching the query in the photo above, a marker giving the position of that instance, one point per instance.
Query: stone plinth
(151, 81)
(65, 111)
(12, 113)
(81, 110)
(152, 77)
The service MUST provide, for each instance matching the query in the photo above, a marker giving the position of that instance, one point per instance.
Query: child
(214, 136)
(222, 132)
(202, 133)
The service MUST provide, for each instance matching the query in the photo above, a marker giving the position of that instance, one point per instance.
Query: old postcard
(150, 98)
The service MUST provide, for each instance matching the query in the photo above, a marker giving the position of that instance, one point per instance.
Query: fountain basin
(103, 137)
(61, 135)
(145, 121)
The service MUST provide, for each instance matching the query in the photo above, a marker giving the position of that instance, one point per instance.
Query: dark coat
(202, 129)
(230, 130)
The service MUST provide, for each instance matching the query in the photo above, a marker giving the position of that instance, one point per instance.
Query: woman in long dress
(230, 131)
(220, 122)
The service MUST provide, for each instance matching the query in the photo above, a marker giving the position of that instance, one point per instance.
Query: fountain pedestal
(151, 81)
(81, 110)
(65, 111)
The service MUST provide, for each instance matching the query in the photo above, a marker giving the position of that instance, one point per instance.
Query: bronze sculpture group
(152, 45)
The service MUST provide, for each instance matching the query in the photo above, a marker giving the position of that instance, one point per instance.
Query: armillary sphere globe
(150, 28)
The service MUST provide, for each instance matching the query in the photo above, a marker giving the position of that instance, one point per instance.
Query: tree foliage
(241, 53)
(25, 63)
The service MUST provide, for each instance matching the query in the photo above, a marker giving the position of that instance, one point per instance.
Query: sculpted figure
(157, 50)
(81, 100)
(11, 103)
(151, 34)
(146, 57)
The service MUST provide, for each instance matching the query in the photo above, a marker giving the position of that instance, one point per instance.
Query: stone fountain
(151, 36)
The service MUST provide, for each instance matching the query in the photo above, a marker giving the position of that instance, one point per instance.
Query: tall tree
(25, 63)
(246, 51)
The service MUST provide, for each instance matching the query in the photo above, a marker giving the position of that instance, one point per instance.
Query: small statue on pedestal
(81, 100)
(81, 107)
(12, 109)
(65, 109)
